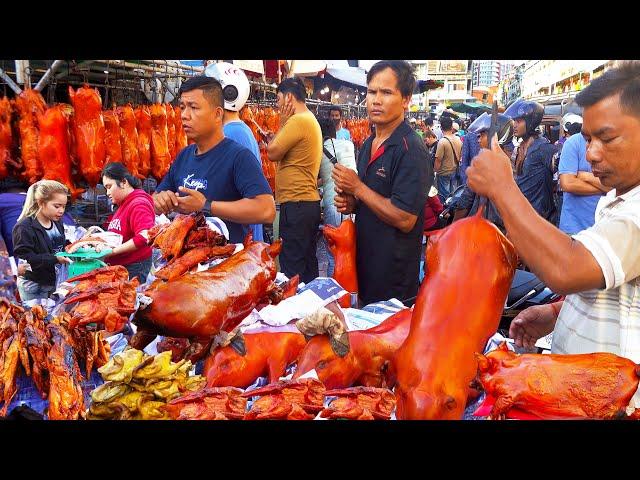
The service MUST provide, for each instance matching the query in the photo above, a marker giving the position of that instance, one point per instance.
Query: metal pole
(47, 76)
(10, 82)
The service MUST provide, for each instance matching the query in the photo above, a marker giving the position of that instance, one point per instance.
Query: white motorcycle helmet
(235, 85)
(571, 119)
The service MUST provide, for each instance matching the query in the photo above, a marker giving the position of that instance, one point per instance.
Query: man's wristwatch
(207, 207)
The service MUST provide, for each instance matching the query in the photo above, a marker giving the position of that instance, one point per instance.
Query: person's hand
(346, 180)
(287, 111)
(62, 260)
(193, 201)
(532, 324)
(165, 202)
(345, 204)
(490, 171)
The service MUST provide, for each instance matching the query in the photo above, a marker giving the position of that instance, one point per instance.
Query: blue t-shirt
(578, 211)
(241, 133)
(343, 134)
(238, 131)
(228, 172)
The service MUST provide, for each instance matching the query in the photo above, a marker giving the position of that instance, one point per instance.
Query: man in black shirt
(389, 191)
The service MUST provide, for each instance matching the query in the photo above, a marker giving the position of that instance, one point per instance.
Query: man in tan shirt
(447, 159)
(297, 148)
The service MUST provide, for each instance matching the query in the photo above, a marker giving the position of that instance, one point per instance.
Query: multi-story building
(456, 78)
(510, 87)
(486, 73)
(544, 80)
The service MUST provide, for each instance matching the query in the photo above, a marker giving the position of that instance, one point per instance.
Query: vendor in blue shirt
(215, 173)
(335, 114)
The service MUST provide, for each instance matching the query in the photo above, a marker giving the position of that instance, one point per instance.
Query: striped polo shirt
(607, 320)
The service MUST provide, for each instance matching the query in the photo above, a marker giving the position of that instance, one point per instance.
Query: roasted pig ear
(248, 239)
(275, 248)
(483, 362)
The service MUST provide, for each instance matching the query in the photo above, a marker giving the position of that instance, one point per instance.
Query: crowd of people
(569, 207)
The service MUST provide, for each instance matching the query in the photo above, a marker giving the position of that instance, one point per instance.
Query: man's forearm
(245, 210)
(559, 261)
(577, 186)
(592, 180)
(385, 210)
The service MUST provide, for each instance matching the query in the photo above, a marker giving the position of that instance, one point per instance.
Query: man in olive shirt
(297, 149)
(447, 159)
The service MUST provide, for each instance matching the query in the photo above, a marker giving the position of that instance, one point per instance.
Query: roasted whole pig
(370, 352)
(160, 156)
(204, 303)
(29, 105)
(342, 244)
(66, 400)
(129, 139)
(287, 400)
(89, 132)
(557, 387)
(267, 355)
(360, 403)
(209, 404)
(6, 139)
(179, 266)
(53, 147)
(113, 147)
(143, 127)
(436, 363)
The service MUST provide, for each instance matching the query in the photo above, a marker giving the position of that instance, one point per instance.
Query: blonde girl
(38, 236)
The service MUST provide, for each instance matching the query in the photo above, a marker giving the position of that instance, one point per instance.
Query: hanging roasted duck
(181, 136)
(143, 127)
(53, 148)
(469, 268)
(89, 132)
(200, 305)
(171, 130)
(370, 352)
(342, 244)
(558, 387)
(7, 162)
(29, 104)
(113, 147)
(129, 139)
(267, 355)
(160, 156)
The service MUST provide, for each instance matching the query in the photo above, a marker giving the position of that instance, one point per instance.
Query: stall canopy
(470, 107)
(353, 75)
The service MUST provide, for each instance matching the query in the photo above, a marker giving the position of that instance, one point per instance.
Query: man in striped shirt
(597, 269)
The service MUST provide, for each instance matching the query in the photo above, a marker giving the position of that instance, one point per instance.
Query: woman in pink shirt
(134, 215)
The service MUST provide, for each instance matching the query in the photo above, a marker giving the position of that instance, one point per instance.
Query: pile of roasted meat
(103, 296)
(139, 385)
(51, 353)
(72, 143)
(185, 242)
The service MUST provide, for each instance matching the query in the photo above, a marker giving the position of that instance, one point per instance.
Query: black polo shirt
(388, 260)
